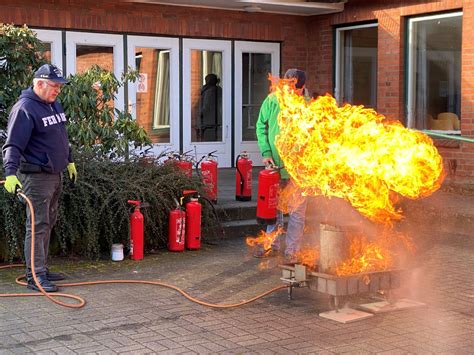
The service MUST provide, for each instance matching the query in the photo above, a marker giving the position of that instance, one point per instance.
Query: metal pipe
(448, 136)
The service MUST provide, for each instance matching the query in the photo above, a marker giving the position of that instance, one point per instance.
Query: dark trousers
(43, 190)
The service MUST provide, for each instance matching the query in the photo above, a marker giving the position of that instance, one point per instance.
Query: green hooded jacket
(267, 129)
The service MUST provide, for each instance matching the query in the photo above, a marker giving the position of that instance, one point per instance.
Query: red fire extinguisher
(136, 231)
(185, 166)
(176, 229)
(209, 175)
(267, 200)
(243, 177)
(193, 220)
(182, 162)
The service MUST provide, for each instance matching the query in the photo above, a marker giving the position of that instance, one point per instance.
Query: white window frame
(411, 66)
(241, 47)
(338, 59)
(163, 43)
(54, 38)
(97, 39)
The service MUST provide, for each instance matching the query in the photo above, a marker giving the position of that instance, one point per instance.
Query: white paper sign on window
(142, 84)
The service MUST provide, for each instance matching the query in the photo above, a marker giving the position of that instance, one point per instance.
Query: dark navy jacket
(36, 134)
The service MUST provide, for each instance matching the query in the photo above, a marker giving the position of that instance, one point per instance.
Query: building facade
(204, 71)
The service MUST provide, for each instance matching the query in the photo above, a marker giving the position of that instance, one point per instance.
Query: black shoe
(43, 281)
(54, 276)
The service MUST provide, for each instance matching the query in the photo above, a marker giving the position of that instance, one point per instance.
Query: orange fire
(264, 239)
(353, 153)
(356, 154)
(308, 257)
(365, 255)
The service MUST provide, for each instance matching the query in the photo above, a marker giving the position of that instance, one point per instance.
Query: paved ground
(148, 319)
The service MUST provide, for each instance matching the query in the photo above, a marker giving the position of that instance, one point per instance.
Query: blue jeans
(43, 190)
(294, 231)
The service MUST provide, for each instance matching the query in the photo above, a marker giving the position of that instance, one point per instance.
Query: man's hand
(12, 184)
(268, 161)
(71, 169)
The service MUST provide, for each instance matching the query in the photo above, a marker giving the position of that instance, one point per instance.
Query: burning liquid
(353, 153)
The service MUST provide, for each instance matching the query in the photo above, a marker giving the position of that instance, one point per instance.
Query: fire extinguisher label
(207, 179)
(248, 180)
(273, 196)
(131, 247)
(180, 228)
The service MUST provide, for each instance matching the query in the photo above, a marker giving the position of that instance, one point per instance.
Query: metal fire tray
(297, 275)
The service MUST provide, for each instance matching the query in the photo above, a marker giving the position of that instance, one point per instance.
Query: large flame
(353, 153)
(381, 254)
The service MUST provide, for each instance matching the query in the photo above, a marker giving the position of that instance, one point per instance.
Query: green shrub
(20, 55)
(94, 213)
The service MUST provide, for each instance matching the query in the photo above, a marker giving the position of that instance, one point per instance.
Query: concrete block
(322, 285)
(352, 286)
(337, 287)
(287, 274)
(300, 272)
(374, 284)
(363, 286)
(385, 281)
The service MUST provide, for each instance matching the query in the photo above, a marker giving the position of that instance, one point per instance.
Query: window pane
(153, 92)
(358, 66)
(87, 56)
(46, 51)
(255, 87)
(206, 96)
(436, 53)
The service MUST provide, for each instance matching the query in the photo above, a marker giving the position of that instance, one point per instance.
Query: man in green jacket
(267, 129)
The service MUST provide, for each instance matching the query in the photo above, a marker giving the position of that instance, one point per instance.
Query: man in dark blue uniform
(35, 154)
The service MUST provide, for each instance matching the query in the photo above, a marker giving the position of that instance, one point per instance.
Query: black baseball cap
(297, 74)
(50, 72)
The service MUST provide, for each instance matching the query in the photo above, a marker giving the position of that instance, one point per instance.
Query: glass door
(154, 98)
(207, 98)
(254, 61)
(86, 49)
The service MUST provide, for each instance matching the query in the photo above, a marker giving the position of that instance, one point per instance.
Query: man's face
(48, 90)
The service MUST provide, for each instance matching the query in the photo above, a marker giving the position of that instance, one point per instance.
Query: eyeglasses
(54, 86)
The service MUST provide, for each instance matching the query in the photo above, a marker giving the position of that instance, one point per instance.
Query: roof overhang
(289, 7)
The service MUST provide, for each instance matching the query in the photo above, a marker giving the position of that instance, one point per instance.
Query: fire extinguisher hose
(80, 302)
(240, 174)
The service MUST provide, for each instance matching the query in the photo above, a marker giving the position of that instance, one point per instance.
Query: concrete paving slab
(346, 315)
